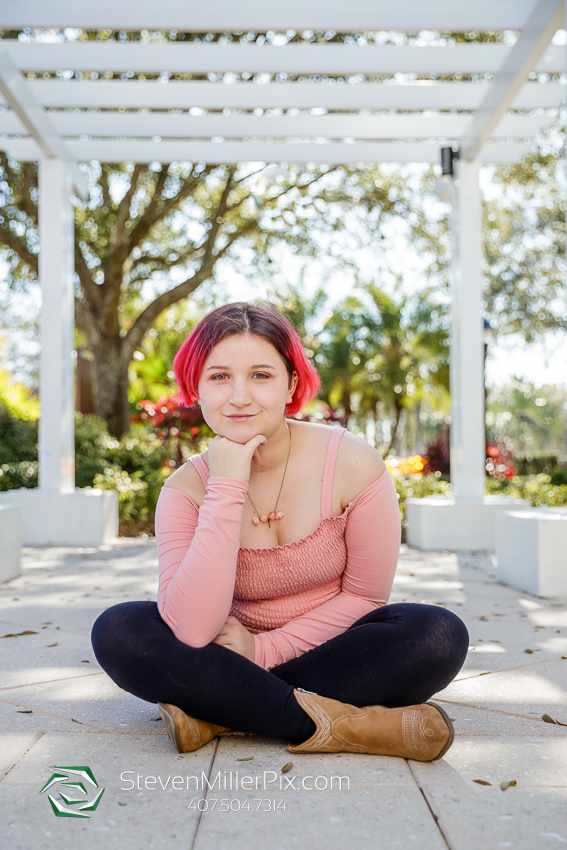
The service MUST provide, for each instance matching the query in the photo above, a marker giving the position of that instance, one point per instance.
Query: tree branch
(150, 214)
(28, 183)
(217, 218)
(138, 330)
(162, 262)
(124, 206)
(11, 241)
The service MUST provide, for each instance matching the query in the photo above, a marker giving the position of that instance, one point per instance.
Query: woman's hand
(234, 636)
(231, 459)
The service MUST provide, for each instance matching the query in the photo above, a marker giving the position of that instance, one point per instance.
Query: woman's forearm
(198, 549)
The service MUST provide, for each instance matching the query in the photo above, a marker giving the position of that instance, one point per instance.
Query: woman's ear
(294, 381)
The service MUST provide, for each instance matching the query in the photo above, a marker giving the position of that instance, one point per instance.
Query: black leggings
(397, 655)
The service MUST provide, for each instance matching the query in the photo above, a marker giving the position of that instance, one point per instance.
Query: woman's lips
(242, 418)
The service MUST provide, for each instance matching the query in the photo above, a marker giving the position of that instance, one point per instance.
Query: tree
(150, 235)
(378, 352)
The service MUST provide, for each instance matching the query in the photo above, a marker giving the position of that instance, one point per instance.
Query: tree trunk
(110, 385)
(398, 408)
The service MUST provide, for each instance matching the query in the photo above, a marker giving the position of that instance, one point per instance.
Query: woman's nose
(240, 392)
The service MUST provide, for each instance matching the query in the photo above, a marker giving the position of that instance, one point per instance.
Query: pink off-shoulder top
(292, 597)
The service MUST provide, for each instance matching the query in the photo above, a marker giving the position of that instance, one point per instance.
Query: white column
(56, 263)
(467, 367)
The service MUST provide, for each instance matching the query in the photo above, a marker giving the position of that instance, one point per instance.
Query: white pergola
(277, 102)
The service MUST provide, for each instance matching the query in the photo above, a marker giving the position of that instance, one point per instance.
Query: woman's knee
(447, 637)
(123, 628)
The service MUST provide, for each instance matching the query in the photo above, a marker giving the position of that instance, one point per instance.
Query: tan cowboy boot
(421, 732)
(187, 733)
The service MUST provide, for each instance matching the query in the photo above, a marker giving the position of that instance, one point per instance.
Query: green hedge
(135, 466)
(534, 463)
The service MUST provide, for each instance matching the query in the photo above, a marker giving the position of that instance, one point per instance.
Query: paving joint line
(203, 797)
(493, 710)
(427, 803)
(509, 669)
(49, 681)
(18, 758)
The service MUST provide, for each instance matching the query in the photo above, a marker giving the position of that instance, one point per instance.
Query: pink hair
(240, 317)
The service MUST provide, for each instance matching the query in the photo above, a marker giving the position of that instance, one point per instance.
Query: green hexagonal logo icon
(73, 779)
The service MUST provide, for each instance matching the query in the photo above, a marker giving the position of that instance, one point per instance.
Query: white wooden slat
(335, 126)
(229, 152)
(424, 94)
(259, 16)
(253, 58)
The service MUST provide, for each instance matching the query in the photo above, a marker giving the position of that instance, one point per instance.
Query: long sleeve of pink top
(198, 550)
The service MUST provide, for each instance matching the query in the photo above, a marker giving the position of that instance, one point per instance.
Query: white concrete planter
(436, 523)
(10, 541)
(86, 517)
(531, 548)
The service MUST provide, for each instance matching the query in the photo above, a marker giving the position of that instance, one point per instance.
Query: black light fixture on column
(448, 157)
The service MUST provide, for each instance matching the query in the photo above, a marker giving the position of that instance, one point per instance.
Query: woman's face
(243, 388)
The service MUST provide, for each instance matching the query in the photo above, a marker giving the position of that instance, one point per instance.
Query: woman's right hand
(231, 459)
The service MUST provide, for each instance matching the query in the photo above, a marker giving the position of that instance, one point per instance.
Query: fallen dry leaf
(529, 651)
(46, 623)
(249, 758)
(505, 785)
(85, 661)
(287, 767)
(24, 711)
(76, 721)
(482, 782)
(18, 634)
(52, 644)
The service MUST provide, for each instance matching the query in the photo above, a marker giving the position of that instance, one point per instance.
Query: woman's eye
(262, 375)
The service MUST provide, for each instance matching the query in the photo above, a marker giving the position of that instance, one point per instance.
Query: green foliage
(136, 466)
(531, 420)
(18, 399)
(538, 490)
(534, 463)
(18, 474)
(18, 438)
(133, 501)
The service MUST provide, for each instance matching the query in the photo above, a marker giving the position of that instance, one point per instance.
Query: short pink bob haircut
(240, 317)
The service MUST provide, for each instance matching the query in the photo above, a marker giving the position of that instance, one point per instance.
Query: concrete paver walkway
(58, 709)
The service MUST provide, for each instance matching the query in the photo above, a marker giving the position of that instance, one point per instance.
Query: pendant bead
(272, 514)
(279, 515)
(256, 521)
(263, 518)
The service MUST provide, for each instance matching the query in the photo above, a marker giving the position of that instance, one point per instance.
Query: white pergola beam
(35, 120)
(423, 94)
(467, 367)
(56, 264)
(322, 59)
(215, 153)
(259, 16)
(545, 20)
(332, 126)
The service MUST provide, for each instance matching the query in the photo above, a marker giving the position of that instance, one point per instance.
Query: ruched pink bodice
(275, 585)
